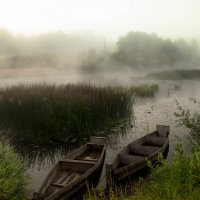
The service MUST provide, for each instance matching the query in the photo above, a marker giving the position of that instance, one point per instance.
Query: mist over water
(58, 57)
(102, 43)
(48, 53)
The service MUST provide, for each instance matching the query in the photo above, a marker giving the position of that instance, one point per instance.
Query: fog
(45, 40)
(113, 18)
(52, 49)
(134, 50)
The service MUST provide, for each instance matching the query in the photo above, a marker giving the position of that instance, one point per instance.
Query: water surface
(147, 113)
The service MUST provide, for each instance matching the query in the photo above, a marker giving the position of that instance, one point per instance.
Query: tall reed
(41, 112)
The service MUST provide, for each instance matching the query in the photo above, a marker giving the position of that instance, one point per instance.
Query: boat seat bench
(79, 161)
(155, 140)
(143, 150)
(57, 185)
(128, 159)
(77, 166)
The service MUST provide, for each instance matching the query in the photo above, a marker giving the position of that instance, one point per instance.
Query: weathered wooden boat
(72, 173)
(134, 156)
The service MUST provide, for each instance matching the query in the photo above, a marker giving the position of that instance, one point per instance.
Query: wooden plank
(92, 154)
(68, 174)
(133, 156)
(57, 185)
(63, 176)
(78, 162)
(77, 152)
(128, 159)
(143, 150)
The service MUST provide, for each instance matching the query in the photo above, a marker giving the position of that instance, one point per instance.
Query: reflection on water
(38, 157)
(40, 160)
(147, 113)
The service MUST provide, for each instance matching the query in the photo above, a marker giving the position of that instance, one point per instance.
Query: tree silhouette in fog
(140, 49)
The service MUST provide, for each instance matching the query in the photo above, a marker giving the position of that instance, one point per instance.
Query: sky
(110, 18)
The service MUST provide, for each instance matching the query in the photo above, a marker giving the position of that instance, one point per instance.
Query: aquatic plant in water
(55, 113)
(191, 121)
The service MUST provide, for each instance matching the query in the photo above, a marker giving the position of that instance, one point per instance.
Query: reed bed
(43, 113)
(179, 74)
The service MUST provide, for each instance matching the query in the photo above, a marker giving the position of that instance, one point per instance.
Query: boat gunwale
(112, 167)
(95, 166)
(146, 158)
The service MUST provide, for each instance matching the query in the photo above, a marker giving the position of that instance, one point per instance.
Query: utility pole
(104, 47)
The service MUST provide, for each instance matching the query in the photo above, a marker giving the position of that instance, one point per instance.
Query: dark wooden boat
(71, 174)
(134, 156)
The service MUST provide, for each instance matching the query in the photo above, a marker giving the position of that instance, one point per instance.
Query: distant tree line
(51, 49)
(138, 49)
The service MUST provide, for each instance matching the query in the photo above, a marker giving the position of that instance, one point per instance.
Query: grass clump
(145, 90)
(113, 193)
(176, 75)
(40, 112)
(177, 180)
(13, 178)
(191, 121)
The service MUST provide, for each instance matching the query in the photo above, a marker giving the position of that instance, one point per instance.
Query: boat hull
(72, 173)
(134, 156)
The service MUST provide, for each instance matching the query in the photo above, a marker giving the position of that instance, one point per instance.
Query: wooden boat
(71, 174)
(134, 156)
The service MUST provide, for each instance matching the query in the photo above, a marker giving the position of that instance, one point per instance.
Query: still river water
(147, 112)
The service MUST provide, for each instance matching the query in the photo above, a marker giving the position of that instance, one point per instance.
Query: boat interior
(69, 170)
(137, 151)
(91, 153)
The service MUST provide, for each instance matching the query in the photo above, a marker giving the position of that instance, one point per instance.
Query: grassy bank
(177, 180)
(13, 178)
(190, 121)
(190, 74)
(42, 113)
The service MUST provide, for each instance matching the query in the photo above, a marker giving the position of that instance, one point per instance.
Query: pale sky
(110, 18)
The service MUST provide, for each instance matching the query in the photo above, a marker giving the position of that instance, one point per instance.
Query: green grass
(13, 178)
(190, 121)
(36, 113)
(177, 180)
(176, 75)
(145, 90)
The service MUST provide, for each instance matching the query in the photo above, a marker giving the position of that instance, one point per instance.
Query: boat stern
(163, 130)
(97, 140)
